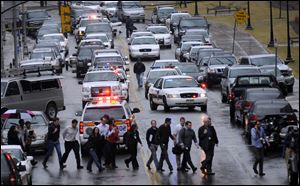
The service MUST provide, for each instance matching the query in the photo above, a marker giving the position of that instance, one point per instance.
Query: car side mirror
(200, 79)
(286, 62)
(205, 64)
(79, 113)
(80, 82)
(126, 58)
(295, 110)
(135, 110)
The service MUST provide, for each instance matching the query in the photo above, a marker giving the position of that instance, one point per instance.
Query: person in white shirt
(104, 129)
(175, 133)
(71, 143)
(103, 126)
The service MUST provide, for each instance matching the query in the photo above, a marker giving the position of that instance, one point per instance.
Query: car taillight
(203, 85)
(12, 179)
(128, 123)
(81, 124)
(253, 118)
(248, 105)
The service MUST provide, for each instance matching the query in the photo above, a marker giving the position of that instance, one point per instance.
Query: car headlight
(155, 49)
(211, 70)
(134, 49)
(116, 88)
(202, 95)
(172, 95)
(86, 89)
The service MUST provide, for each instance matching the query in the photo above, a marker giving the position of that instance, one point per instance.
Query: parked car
(17, 152)
(10, 170)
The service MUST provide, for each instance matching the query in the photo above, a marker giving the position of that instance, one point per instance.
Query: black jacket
(53, 136)
(95, 142)
(133, 139)
(139, 68)
(163, 135)
(208, 140)
(13, 139)
(129, 23)
(151, 132)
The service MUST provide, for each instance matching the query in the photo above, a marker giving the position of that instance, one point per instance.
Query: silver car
(133, 9)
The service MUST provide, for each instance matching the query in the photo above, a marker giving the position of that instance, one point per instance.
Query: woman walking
(132, 142)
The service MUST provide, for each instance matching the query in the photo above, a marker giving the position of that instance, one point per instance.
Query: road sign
(65, 15)
(241, 16)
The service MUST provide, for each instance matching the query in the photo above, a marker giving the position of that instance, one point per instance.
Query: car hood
(283, 67)
(161, 36)
(217, 66)
(144, 46)
(134, 11)
(41, 131)
(41, 19)
(102, 83)
(185, 90)
(111, 9)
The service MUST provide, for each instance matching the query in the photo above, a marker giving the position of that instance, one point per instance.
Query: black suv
(35, 20)
(161, 13)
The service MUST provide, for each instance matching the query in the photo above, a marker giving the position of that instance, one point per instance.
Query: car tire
(51, 111)
(204, 108)
(191, 108)
(83, 104)
(290, 88)
(131, 58)
(143, 20)
(158, 58)
(166, 107)
(153, 106)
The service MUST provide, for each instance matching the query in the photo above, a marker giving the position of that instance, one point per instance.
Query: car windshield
(131, 4)
(235, 72)
(157, 74)
(85, 22)
(44, 31)
(198, 32)
(5, 169)
(188, 68)
(85, 43)
(254, 96)
(3, 87)
(85, 53)
(268, 60)
(104, 39)
(208, 52)
(165, 11)
(141, 34)
(187, 46)
(176, 18)
(93, 114)
(42, 55)
(15, 153)
(35, 121)
(158, 30)
(165, 64)
(256, 80)
(98, 28)
(270, 71)
(37, 14)
(180, 82)
(193, 23)
(103, 76)
(273, 108)
(111, 4)
(109, 59)
(222, 61)
(54, 37)
(144, 41)
(89, 3)
(107, 65)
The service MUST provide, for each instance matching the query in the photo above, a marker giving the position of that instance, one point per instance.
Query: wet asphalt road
(233, 157)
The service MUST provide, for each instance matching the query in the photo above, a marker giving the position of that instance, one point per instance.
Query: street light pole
(279, 9)
(15, 36)
(249, 27)
(25, 49)
(289, 56)
(271, 42)
(2, 38)
(196, 8)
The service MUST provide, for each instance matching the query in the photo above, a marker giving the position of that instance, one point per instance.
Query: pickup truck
(244, 82)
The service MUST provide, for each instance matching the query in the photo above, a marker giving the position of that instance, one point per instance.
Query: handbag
(177, 149)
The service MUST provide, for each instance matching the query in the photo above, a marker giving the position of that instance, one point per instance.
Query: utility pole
(196, 8)
(15, 61)
(289, 56)
(271, 42)
(249, 27)
(25, 48)
(2, 38)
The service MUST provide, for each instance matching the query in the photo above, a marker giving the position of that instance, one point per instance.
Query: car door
(224, 80)
(155, 90)
(160, 95)
(13, 98)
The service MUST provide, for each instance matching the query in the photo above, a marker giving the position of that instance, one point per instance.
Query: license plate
(145, 54)
(122, 128)
(189, 100)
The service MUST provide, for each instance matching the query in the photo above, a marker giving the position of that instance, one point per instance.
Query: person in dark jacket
(152, 144)
(12, 136)
(207, 141)
(129, 26)
(163, 135)
(132, 142)
(94, 145)
(53, 141)
(186, 137)
(139, 69)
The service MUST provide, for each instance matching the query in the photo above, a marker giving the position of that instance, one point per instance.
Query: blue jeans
(51, 145)
(139, 78)
(94, 158)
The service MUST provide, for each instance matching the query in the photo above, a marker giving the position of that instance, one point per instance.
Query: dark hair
(74, 121)
(105, 116)
(167, 120)
(153, 121)
(27, 123)
(182, 118)
(11, 130)
(55, 119)
(111, 121)
(21, 121)
(93, 132)
(133, 127)
(187, 123)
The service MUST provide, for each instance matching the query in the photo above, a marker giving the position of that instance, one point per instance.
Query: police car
(109, 59)
(177, 91)
(102, 82)
(144, 47)
(110, 105)
(161, 34)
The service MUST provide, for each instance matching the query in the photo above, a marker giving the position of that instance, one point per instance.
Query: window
(26, 86)
(157, 83)
(244, 61)
(48, 84)
(35, 86)
(12, 89)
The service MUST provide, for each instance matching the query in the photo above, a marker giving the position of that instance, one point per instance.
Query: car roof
(97, 34)
(259, 55)
(31, 78)
(110, 54)
(271, 101)
(11, 147)
(42, 50)
(139, 37)
(162, 69)
(250, 90)
(176, 77)
(99, 71)
(97, 105)
(166, 60)
(237, 66)
(157, 26)
(54, 34)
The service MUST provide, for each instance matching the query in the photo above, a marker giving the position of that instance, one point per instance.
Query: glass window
(26, 86)
(49, 84)
(36, 86)
(222, 61)
(274, 108)
(15, 153)
(158, 83)
(180, 82)
(143, 41)
(158, 74)
(3, 87)
(103, 76)
(94, 114)
(236, 72)
(158, 30)
(268, 60)
(12, 89)
(5, 168)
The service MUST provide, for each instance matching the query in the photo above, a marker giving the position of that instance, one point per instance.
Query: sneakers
(44, 165)
(34, 162)
(202, 170)
(255, 170)
(62, 167)
(127, 164)
(79, 167)
(211, 173)
(194, 169)
(262, 174)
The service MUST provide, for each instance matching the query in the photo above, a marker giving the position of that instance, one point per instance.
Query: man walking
(103, 130)
(53, 142)
(258, 140)
(163, 135)
(186, 137)
(129, 26)
(175, 132)
(139, 69)
(207, 141)
(152, 144)
(69, 135)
